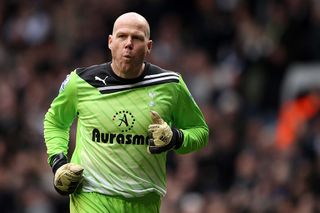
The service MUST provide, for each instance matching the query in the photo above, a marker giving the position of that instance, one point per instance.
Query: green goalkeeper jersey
(113, 115)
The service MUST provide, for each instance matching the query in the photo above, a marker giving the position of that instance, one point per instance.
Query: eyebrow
(135, 33)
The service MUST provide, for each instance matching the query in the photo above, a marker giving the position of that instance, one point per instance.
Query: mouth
(127, 56)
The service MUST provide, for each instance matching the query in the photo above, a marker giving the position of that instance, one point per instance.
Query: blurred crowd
(234, 56)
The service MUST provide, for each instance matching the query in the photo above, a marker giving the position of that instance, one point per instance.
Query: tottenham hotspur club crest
(124, 119)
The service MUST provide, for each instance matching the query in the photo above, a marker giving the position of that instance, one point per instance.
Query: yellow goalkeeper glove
(162, 138)
(67, 176)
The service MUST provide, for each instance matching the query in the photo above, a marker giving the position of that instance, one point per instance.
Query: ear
(109, 41)
(149, 46)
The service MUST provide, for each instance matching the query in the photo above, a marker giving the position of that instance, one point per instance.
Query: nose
(129, 43)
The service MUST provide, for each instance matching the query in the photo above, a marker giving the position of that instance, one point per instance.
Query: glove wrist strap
(177, 138)
(57, 161)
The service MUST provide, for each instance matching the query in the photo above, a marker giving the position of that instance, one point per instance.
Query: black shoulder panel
(95, 75)
(106, 81)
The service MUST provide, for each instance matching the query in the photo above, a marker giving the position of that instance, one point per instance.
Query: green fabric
(59, 118)
(111, 141)
(97, 203)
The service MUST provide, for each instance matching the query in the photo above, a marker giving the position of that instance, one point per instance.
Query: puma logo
(102, 80)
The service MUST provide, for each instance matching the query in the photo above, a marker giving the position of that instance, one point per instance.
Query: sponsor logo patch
(124, 119)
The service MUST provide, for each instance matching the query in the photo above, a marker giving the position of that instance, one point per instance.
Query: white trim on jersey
(147, 80)
(161, 74)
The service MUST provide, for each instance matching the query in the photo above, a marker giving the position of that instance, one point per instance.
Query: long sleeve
(60, 117)
(189, 118)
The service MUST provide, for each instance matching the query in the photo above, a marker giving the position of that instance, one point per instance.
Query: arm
(59, 118)
(57, 122)
(189, 119)
(189, 131)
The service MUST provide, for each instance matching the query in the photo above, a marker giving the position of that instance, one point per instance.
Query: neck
(127, 73)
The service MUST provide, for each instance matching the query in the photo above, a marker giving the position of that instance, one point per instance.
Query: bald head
(134, 19)
(129, 43)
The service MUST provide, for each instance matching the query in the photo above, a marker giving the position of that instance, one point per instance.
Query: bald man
(130, 113)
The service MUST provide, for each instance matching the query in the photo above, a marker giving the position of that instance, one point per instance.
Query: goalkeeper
(130, 113)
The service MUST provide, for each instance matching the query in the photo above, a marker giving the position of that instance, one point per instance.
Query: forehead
(131, 25)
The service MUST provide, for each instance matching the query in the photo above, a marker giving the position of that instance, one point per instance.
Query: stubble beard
(127, 67)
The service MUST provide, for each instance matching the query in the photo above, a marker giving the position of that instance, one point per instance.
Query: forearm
(194, 139)
(56, 138)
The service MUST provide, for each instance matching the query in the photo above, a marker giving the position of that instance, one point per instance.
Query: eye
(121, 36)
(139, 38)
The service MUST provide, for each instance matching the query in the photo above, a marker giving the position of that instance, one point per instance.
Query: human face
(129, 45)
